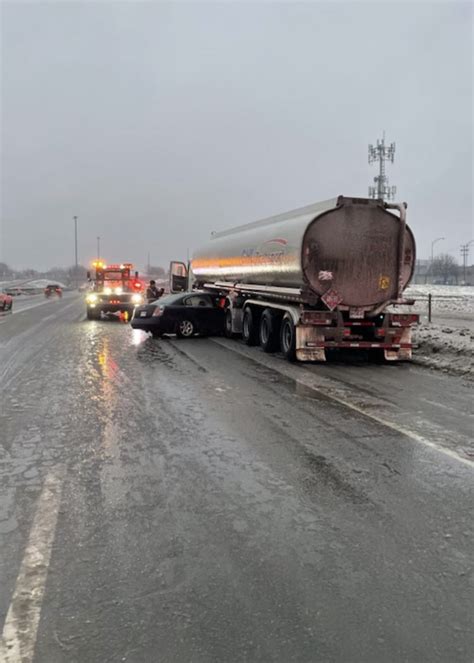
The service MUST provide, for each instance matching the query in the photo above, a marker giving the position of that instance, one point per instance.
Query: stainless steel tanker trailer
(313, 279)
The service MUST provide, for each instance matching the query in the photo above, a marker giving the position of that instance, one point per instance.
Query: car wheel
(249, 327)
(288, 338)
(185, 329)
(269, 331)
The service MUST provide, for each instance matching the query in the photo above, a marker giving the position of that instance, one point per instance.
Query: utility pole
(98, 248)
(382, 153)
(465, 256)
(76, 266)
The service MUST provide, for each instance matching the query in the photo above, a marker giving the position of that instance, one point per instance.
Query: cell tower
(382, 153)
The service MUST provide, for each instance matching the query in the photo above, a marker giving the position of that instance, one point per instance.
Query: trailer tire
(249, 327)
(269, 331)
(288, 338)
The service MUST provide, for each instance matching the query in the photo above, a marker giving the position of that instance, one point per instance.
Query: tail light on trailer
(323, 318)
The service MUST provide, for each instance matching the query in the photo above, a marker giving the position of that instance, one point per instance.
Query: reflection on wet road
(217, 504)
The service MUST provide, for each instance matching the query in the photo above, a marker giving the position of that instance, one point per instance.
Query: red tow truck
(113, 289)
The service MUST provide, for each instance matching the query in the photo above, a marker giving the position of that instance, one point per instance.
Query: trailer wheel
(288, 338)
(268, 331)
(249, 327)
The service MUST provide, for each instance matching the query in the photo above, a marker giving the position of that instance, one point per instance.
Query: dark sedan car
(53, 290)
(183, 314)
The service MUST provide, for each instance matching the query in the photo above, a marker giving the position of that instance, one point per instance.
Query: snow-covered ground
(446, 348)
(42, 283)
(447, 301)
(447, 343)
(29, 286)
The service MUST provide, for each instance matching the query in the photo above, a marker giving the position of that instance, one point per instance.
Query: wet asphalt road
(212, 503)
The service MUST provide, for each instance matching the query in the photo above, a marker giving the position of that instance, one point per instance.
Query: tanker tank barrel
(345, 252)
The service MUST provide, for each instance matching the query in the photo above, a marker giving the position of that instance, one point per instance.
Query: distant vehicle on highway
(186, 315)
(6, 302)
(53, 290)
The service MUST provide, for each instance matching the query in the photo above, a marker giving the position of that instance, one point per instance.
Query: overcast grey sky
(157, 122)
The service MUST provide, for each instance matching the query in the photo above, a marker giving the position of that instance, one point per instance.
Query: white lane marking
(307, 380)
(443, 406)
(16, 311)
(18, 641)
(29, 330)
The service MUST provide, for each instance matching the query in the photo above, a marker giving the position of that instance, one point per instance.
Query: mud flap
(307, 339)
(401, 354)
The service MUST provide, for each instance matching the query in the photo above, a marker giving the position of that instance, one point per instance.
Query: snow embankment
(447, 343)
(448, 349)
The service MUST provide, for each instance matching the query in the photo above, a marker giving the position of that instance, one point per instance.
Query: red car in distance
(6, 302)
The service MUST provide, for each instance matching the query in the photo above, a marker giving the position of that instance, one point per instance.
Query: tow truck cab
(113, 289)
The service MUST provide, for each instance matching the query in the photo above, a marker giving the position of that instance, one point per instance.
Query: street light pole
(75, 250)
(98, 248)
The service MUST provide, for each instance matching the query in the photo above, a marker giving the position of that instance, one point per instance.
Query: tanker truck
(329, 275)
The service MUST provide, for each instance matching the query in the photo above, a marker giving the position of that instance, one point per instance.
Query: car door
(190, 311)
(216, 316)
(206, 317)
(211, 317)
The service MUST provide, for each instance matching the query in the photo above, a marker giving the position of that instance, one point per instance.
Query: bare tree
(159, 272)
(445, 268)
(5, 270)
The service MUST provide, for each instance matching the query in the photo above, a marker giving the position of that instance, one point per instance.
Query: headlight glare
(137, 299)
(91, 298)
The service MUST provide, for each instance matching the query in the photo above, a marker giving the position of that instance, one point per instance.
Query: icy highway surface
(177, 501)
